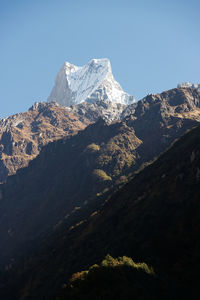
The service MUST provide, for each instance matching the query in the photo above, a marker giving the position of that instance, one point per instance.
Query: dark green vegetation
(119, 278)
(65, 211)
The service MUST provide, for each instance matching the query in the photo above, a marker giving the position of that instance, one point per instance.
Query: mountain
(160, 119)
(154, 218)
(91, 83)
(66, 175)
(81, 169)
(156, 119)
(105, 109)
(23, 135)
(91, 175)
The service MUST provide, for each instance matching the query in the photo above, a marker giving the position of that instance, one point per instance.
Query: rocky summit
(91, 83)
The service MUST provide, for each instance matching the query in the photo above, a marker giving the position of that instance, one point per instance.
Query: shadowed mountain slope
(154, 218)
(66, 175)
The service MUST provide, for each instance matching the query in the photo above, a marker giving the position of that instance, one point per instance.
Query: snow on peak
(69, 68)
(92, 82)
(188, 85)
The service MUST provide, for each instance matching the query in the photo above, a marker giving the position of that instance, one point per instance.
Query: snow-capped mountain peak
(92, 82)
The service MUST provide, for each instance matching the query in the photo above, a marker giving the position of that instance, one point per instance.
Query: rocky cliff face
(22, 136)
(91, 83)
(107, 110)
(160, 119)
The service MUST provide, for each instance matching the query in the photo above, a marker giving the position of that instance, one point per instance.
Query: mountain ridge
(23, 135)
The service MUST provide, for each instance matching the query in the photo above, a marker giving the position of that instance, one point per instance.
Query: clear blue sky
(152, 44)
